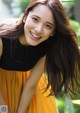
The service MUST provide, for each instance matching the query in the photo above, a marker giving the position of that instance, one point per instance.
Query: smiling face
(39, 25)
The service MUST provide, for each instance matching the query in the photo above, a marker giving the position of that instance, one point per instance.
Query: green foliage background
(23, 4)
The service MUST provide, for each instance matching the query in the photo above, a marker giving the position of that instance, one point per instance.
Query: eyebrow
(47, 21)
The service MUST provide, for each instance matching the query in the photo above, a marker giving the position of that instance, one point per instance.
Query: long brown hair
(63, 62)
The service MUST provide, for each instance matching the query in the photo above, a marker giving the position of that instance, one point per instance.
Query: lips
(34, 36)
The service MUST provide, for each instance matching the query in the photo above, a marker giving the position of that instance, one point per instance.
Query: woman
(42, 41)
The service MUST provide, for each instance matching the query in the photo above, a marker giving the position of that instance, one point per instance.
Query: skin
(37, 29)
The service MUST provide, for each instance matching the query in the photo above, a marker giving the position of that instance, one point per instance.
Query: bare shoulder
(1, 47)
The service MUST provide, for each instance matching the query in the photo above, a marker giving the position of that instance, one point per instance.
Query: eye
(48, 26)
(35, 19)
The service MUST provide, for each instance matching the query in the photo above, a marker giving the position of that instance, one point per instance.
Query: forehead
(43, 11)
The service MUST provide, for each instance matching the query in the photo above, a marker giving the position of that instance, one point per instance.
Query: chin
(32, 43)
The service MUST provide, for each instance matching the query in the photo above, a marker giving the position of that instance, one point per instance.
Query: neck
(23, 41)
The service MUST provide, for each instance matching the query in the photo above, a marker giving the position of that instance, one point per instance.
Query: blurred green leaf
(76, 102)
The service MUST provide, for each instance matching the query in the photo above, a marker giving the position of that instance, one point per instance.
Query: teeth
(35, 35)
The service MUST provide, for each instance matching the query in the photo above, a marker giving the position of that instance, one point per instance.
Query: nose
(39, 28)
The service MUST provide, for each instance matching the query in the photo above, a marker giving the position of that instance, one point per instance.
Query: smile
(34, 36)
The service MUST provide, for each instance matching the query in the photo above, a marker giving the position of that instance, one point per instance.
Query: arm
(31, 85)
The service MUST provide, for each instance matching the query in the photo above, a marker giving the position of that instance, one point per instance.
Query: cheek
(29, 24)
